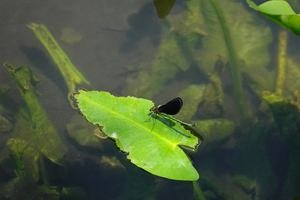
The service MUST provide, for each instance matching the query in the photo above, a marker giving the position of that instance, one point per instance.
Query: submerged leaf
(85, 133)
(193, 95)
(292, 77)
(285, 113)
(32, 123)
(70, 36)
(167, 62)
(250, 37)
(124, 119)
(181, 35)
(6, 111)
(21, 159)
(67, 69)
(225, 187)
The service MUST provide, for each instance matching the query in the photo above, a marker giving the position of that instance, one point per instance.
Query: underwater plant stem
(281, 61)
(244, 111)
(43, 169)
(197, 191)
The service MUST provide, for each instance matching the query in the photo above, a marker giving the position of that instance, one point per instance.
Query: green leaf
(124, 119)
(250, 36)
(163, 7)
(32, 123)
(280, 12)
(71, 75)
(180, 36)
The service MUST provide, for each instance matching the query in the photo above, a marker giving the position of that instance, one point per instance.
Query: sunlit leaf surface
(280, 12)
(124, 119)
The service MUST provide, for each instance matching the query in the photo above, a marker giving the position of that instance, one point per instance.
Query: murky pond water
(247, 150)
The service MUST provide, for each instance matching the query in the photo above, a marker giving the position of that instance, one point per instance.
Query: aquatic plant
(188, 40)
(193, 95)
(200, 37)
(287, 118)
(33, 136)
(163, 7)
(124, 120)
(215, 132)
(280, 12)
(21, 162)
(32, 122)
(6, 111)
(227, 187)
(85, 133)
(71, 75)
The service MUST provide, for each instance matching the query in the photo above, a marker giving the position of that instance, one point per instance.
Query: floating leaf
(124, 119)
(279, 12)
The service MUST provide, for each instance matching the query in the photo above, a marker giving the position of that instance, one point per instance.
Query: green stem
(198, 191)
(244, 111)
